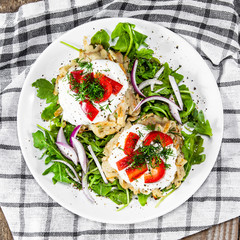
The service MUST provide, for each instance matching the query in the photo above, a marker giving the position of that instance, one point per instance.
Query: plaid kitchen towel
(211, 26)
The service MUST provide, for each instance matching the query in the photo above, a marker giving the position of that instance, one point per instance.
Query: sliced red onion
(98, 164)
(150, 82)
(71, 167)
(159, 90)
(61, 137)
(133, 79)
(85, 189)
(174, 111)
(74, 134)
(160, 98)
(67, 151)
(70, 175)
(176, 91)
(159, 73)
(82, 158)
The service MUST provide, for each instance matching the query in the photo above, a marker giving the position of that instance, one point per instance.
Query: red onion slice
(174, 111)
(74, 134)
(61, 137)
(159, 90)
(82, 158)
(176, 91)
(67, 151)
(85, 189)
(98, 164)
(150, 82)
(71, 167)
(133, 78)
(160, 98)
(159, 72)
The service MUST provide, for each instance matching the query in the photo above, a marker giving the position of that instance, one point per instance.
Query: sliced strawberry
(130, 143)
(155, 173)
(106, 86)
(88, 108)
(135, 173)
(116, 87)
(164, 139)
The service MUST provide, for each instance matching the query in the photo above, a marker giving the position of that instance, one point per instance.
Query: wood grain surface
(225, 231)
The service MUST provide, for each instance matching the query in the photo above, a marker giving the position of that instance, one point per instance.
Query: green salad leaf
(145, 53)
(59, 171)
(128, 38)
(147, 68)
(45, 91)
(39, 140)
(119, 197)
(142, 198)
(102, 189)
(101, 37)
(44, 140)
(199, 123)
(192, 150)
(48, 112)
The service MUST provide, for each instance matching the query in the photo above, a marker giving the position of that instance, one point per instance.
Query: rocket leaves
(45, 91)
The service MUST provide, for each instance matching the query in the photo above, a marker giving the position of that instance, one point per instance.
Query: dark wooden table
(226, 231)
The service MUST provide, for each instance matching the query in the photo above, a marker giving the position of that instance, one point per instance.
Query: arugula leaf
(114, 191)
(39, 140)
(49, 159)
(45, 89)
(94, 179)
(47, 142)
(142, 198)
(128, 38)
(199, 124)
(161, 108)
(202, 126)
(139, 39)
(122, 44)
(102, 188)
(189, 106)
(60, 174)
(48, 112)
(192, 150)
(120, 29)
(119, 197)
(102, 38)
(147, 69)
(145, 53)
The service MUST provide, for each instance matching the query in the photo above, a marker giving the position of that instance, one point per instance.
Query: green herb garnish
(152, 155)
(89, 88)
(86, 65)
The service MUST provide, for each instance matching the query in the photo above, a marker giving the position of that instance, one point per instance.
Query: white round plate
(168, 47)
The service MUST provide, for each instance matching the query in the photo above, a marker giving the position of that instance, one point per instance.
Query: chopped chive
(69, 45)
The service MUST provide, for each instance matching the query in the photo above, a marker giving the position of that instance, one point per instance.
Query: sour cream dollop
(72, 111)
(118, 154)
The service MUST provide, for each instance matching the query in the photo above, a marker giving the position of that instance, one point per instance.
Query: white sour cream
(118, 154)
(72, 111)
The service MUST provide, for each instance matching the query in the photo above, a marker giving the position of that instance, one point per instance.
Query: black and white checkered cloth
(211, 26)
